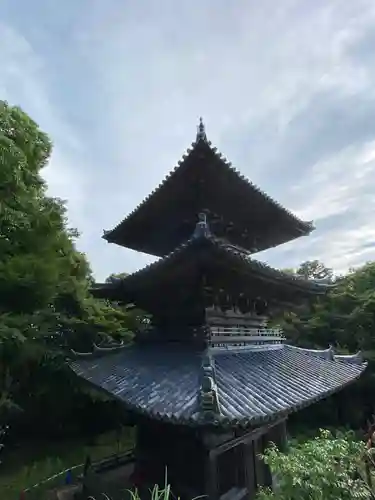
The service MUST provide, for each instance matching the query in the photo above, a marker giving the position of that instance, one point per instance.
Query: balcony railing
(239, 336)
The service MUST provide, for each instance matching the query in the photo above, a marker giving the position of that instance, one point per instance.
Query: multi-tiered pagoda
(211, 385)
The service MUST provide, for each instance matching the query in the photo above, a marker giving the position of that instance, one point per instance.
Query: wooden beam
(246, 438)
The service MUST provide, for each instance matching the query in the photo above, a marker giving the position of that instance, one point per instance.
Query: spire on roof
(202, 228)
(201, 133)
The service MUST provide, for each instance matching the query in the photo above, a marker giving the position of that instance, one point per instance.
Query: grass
(31, 464)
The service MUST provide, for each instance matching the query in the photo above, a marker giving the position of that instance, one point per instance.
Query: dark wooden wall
(175, 450)
(198, 462)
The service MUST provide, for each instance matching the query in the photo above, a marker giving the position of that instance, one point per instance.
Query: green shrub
(324, 468)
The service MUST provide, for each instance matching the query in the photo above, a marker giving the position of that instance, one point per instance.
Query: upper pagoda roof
(225, 389)
(222, 263)
(205, 181)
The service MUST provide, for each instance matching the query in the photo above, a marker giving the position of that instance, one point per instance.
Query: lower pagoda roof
(225, 388)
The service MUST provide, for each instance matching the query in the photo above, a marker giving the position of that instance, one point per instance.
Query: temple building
(209, 382)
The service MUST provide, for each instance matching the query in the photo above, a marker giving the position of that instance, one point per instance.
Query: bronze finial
(202, 228)
(201, 133)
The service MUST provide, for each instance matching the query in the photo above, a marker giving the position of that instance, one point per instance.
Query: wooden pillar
(278, 435)
(234, 462)
(251, 482)
(267, 470)
(283, 436)
(259, 463)
(211, 485)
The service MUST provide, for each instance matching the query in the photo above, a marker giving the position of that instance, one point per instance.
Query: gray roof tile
(251, 386)
(199, 247)
(127, 231)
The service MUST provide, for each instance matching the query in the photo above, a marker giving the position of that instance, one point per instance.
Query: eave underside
(237, 209)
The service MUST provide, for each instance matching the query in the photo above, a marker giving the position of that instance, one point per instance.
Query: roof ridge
(256, 188)
(98, 351)
(171, 173)
(243, 254)
(330, 354)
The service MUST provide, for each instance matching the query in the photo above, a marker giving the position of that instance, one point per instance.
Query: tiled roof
(249, 387)
(209, 244)
(294, 227)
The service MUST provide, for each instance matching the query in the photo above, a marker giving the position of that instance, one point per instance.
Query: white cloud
(285, 88)
(22, 83)
(339, 188)
(335, 184)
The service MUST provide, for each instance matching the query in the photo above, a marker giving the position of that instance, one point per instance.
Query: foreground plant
(324, 468)
(156, 493)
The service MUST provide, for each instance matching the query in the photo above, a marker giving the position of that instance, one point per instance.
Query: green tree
(40, 269)
(324, 468)
(115, 276)
(45, 302)
(33, 240)
(289, 270)
(314, 269)
(345, 319)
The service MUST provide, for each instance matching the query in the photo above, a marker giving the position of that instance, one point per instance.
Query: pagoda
(209, 382)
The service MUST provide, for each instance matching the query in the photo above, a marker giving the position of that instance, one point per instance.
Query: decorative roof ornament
(202, 228)
(201, 132)
(209, 401)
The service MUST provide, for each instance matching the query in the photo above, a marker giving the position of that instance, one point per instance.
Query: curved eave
(182, 255)
(252, 388)
(122, 233)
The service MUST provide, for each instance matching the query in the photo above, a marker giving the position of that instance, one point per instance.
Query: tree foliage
(314, 269)
(345, 319)
(325, 468)
(112, 278)
(45, 304)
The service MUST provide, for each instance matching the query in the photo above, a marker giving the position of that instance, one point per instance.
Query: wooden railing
(238, 335)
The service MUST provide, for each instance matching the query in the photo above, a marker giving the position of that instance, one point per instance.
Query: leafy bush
(324, 468)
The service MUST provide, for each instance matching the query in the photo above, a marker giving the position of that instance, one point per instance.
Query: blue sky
(286, 89)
